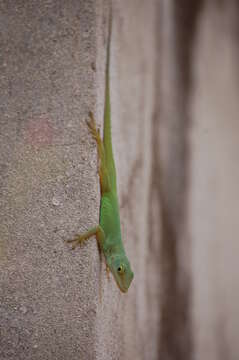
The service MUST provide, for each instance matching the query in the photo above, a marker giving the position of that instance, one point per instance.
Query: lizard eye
(120, 269)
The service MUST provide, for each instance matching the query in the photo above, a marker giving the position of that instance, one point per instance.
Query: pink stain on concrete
(39, 132)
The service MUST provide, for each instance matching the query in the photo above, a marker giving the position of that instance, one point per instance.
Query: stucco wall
(56, 303)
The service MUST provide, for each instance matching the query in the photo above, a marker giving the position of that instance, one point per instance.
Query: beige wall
(198, 111)
(214, 193)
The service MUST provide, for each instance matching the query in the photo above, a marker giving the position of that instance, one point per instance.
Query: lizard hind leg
(94, 131)
(103, 173)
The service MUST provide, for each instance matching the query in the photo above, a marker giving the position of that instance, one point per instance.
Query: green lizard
(108, 232)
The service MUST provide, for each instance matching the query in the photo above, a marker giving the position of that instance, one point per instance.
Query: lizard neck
(114, 248)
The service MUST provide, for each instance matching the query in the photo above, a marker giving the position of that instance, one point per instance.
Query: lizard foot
(92, 127)
(78, 240)
(107, 272)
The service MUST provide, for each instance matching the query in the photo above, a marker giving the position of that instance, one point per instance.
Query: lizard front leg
(97, 231)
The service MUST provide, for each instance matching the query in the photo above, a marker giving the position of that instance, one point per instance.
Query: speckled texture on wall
(56, 303)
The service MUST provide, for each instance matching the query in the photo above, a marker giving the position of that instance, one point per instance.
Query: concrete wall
(174, 89)
(56, 303)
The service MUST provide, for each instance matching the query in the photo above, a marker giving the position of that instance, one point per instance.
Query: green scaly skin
(108, 232)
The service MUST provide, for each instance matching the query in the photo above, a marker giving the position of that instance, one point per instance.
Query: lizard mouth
(121, 285)
(123, 289)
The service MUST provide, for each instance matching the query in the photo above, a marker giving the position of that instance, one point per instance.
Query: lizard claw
(92, 127)
(77, 241)
(107, 269)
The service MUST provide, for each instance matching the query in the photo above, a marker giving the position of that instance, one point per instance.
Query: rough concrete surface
(56, 303)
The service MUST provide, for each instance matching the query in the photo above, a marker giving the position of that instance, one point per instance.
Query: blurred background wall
(174, 87)
(198, 111)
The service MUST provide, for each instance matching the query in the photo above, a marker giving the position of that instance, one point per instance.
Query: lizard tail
(110, 164)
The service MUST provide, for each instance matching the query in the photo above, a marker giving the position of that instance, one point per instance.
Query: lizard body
(108, 232)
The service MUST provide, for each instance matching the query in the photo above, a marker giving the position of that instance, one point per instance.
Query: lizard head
(120, 267)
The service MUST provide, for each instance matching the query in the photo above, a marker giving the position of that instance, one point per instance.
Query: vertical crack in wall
(169, 184)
